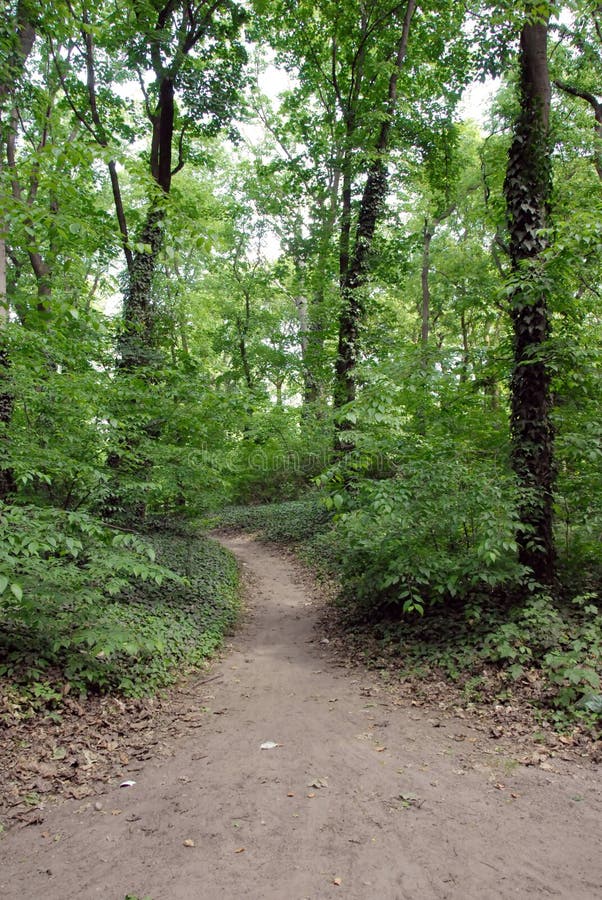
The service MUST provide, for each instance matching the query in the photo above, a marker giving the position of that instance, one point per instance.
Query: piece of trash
(269, 745)
(240, 850)
(337, 881)
(188, 843)
(127, 783)
(290, 794)
(325, 641)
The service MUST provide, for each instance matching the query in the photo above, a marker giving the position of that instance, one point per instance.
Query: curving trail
(360, 799)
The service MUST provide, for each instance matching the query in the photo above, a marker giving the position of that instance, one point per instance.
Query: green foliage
(85, 605)
(281, 523)
(442, 527)
(235, 403)
(536, 650)
(278, 457)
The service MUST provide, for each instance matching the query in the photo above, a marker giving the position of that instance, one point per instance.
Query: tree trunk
(25, 35)
(136, 342)
(355, 267)
(7, 482)
(527, 188)
(427, 237)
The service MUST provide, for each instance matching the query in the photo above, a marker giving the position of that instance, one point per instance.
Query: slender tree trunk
(355, 266)
(527, 188)
(427, 237)
(7, 482)
(465, 349)
(315, 315)
(25, 35)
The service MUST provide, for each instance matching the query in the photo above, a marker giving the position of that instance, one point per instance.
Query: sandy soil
(361, 797)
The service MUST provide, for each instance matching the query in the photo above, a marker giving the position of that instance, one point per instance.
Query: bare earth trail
(360, 799)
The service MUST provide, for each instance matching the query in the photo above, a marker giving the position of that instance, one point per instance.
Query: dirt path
(360, 799)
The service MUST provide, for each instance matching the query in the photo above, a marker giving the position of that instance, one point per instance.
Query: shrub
(86, 605)
(442, 527)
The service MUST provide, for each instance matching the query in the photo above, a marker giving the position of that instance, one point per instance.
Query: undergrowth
(545, 652)
(161, 616)
(283, 523)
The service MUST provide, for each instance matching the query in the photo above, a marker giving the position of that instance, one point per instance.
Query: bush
(443, 527)
(85, 605)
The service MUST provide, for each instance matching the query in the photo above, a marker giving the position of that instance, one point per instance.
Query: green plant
(99, 610)
(442, 527)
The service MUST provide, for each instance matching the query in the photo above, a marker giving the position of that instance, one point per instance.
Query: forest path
(361, 798)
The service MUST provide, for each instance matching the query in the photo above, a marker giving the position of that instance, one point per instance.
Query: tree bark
(25, 37)
(355, 266)
(7, 481)
(527, 188)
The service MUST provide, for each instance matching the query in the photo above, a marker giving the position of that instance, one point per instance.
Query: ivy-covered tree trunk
(527, 188)
(353, 281)
(136, 342)
(354, 267)
(23, 37)
(7, 482)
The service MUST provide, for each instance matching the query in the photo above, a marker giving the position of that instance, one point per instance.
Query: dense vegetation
(249, 250)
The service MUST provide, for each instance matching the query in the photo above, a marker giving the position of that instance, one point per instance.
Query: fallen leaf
(318, 783)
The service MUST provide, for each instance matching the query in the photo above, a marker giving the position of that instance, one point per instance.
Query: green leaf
(17, 590)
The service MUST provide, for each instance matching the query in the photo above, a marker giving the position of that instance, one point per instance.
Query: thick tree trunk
(353, 282)
(135, 346)
(527, 188)
(136, 342)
